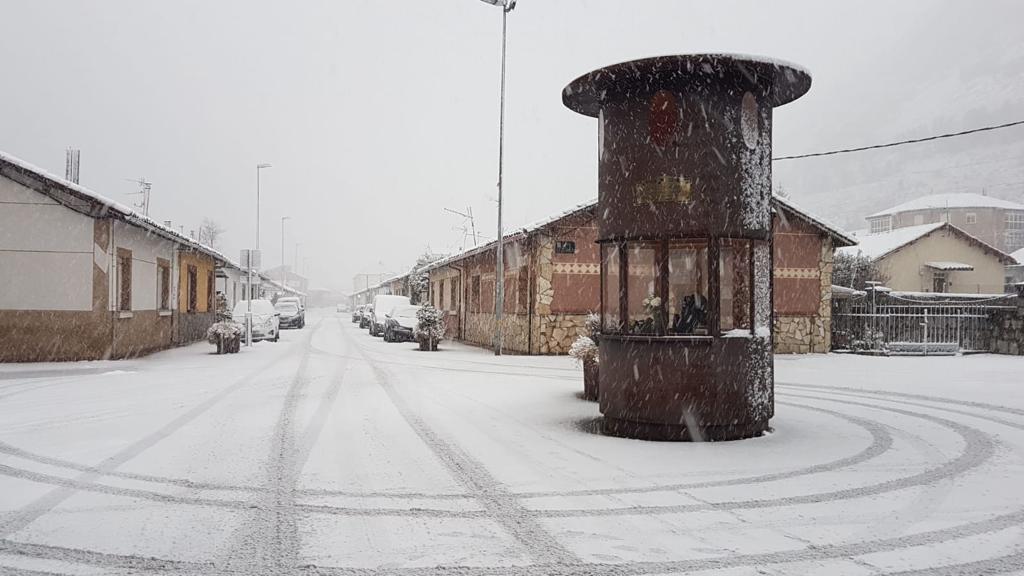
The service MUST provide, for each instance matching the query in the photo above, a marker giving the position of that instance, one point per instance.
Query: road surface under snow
(333, 452)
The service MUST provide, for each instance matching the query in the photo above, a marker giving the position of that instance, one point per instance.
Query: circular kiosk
(684, 223)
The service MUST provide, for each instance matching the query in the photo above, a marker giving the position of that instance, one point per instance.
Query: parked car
(400, 323)
(382, 304)
(341, 308)
(364, 316)
(266, 321)
(298, 301)
(357, 313)
(291, 315)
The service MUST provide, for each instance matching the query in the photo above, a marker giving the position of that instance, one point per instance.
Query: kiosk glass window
(645, 305)
(688, 287)
(611, 317)
(735, 285)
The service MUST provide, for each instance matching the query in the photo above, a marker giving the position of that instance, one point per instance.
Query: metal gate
(895, 324)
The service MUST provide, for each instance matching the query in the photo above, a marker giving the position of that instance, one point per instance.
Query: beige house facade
(938, 257)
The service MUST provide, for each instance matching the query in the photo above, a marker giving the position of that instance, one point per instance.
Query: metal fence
(895, 324)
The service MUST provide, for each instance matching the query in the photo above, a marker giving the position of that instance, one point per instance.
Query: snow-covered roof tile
(877, 245)
(958, 200)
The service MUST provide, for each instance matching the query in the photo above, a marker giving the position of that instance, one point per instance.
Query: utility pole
(499, 266)
(284, 280)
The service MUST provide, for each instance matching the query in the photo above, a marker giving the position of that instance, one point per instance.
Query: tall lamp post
(499, 266)
(249, 264)
(284, 281)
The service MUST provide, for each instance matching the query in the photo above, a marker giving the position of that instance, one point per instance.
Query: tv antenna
(144, 189)
(471, 230)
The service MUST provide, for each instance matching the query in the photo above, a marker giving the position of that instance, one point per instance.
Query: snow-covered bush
(592, 326)
(429, 327)
(224, 329)
(584, 349)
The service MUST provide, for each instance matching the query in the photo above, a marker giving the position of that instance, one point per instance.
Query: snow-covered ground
(333, 452)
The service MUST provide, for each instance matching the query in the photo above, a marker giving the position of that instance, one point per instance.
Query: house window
(1014, 240)
(918, 219)
(879, 225)
(193, 288)
(474, 297)
(972, 218)
(124, 279)
(163, 271)
(565, 247)
(456, 295)
(1015, 220)
(211, 291)
(939, 282)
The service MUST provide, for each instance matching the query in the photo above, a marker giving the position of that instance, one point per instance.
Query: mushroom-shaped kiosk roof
(782, 81)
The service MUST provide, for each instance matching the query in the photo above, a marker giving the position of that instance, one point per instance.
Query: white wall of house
(46, 252)
(145, 248)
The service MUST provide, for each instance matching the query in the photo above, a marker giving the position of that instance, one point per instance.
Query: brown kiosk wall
(684, 223)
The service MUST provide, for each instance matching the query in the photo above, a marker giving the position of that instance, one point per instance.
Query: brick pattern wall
(1006, 327)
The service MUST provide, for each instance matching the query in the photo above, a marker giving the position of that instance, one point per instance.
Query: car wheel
(277, 335)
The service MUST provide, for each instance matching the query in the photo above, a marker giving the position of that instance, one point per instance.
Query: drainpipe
(530, 305)
(111, 284)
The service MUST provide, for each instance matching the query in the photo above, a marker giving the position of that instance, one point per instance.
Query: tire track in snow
(269, 542)
(18, 520)
(500, 503)
(978, 448)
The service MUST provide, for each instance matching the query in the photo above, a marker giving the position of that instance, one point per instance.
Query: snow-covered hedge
(584, 349)
(224, 329)
(429, 326)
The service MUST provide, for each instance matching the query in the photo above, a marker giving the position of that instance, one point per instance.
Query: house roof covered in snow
(879, 245)
(839, 237)
(83, 200)
(1018, 256)
(960, 200)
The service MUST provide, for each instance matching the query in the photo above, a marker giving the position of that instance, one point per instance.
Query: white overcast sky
(376, 114)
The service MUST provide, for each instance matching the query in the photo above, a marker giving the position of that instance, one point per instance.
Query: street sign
(251, 259)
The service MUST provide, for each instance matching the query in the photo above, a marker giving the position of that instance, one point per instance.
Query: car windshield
(405, 311)
(512, 287)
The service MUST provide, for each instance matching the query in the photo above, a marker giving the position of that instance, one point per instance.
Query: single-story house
(552, 283)
(936, 257)
(85, 278)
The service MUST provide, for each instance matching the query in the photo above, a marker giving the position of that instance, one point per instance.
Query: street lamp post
(284, 281)
(249, 266)
(499, 265)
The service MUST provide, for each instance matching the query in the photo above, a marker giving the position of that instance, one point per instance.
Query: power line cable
(901, 142)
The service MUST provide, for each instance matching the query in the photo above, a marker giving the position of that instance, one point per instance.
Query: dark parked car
(291, 315)
(364, 317)
(357, 313)
(400, 324)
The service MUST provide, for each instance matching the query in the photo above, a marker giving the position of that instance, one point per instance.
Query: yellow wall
(906, 271)
(204, 266)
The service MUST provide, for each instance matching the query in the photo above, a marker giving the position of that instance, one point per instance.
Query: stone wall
(1006, 330)
(558, 332)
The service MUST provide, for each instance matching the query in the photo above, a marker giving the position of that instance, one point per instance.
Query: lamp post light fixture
(499, 265)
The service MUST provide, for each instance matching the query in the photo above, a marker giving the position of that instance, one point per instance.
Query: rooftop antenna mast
(468, 215)
(144, 189)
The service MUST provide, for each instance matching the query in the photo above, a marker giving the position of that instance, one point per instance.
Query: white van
(266, 321)
(382, 306)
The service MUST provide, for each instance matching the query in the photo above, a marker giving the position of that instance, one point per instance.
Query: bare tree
(210, 232)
